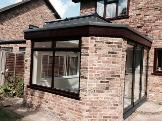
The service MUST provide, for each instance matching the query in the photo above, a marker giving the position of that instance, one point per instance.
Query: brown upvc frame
(89, 30)
(155, 72)
(117, 6)
(52, 89)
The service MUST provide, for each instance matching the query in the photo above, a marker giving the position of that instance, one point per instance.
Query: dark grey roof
(5, 9)
(89, 20)
(75, 21)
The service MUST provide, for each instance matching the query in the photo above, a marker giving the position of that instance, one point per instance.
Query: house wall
(101, 85)
(14, 22)
(146, 17)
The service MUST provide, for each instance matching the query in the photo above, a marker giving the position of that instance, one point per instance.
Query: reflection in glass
(100, 7)
(122, 7)
(111, 10)
(66, 71)
(159, 61)
(42, 44)
(128, 77)
(67, 44)
(42, 68)
(138, 57)
(144, 74)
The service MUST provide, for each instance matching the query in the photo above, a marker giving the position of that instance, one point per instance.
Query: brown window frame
(155, 72)
(117, 6)
(54, 49)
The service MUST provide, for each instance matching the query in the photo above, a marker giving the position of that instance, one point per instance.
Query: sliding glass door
(128, 77)
(135, 75)
(137, 69)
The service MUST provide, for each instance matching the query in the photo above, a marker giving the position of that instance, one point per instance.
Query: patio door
(135, 76)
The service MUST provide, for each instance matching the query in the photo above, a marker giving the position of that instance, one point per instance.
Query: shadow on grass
(6, 115)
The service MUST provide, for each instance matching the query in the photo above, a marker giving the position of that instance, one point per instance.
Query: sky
(65, 8)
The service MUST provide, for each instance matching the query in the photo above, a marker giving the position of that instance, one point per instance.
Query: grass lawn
(6, 115)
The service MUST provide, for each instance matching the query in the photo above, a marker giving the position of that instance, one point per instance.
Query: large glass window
(137, 67)
(135, 75)
(128, 77)
(57, 68)
(112, 8)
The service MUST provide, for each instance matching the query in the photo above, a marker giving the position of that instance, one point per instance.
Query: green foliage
(13, 87)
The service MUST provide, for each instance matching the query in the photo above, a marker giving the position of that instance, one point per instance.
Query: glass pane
(138, 56)
(100, 8)
(128, 77)
(66, 71)
(72, 65)
(67, 44)
(7, 49)
(111, 10)
(59, 66)
(159, 60)
(42, 44)
(122, 8)
(22, 49)
(144, 74)
(42, 68)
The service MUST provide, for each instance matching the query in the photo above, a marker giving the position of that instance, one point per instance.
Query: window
(22, 49)
(158, 61)
(7, 49)
(56, 66)
(112, 8)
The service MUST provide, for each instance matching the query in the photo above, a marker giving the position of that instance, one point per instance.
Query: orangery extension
(92, 67)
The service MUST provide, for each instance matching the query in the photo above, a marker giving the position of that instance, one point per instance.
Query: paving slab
(149, 111)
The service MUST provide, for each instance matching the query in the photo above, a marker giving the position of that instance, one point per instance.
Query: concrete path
(27, 114)
(149, 111)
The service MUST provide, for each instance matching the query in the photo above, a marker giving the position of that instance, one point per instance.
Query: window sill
(55, 91)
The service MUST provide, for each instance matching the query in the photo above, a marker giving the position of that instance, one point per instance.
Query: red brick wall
(13, 23)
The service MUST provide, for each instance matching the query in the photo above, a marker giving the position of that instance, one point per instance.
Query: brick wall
(102, 77)
(146, 17)
(13, 23)
(101, 85)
